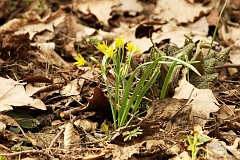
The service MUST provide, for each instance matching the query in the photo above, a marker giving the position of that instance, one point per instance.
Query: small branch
(228, 66)
(55, 138)
(26, 152)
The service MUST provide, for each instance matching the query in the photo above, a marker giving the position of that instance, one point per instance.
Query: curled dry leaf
(70, 136)
(86, 125)
(98, 100)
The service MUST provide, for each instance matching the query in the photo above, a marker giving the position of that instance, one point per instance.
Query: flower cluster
(118, 43)
(109, 51)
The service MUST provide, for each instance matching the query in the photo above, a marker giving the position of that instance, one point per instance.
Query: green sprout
(134, 133)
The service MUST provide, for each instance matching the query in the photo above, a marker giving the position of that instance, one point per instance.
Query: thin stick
(26, 152)
(228, 66)
(55, 138)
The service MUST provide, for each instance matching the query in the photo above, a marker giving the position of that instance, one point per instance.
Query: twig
(2, 146)
(24, 134)
(55, 138)
(26, 152)
(228, 66)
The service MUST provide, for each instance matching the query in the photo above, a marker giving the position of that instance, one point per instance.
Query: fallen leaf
(48, 24)
(102, 13)
(98, 100)
(13, 46)
(202, 101)
(13, 93)
(86, 125)
(180, 10)
(72, 88)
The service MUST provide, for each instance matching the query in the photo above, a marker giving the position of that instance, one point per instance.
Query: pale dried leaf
(179, 10)
(14, 94)
(102, 13)
(234, 149)
(234, 54)
(70, 89)
(86, 125)
(2, 126)
(37, 103)
(32, 15)
(13, 25)
(128, 6)
(125, 152)
(199, 27)
(33, 29)
(182, 156)
(69, 135)
(48, 54)
(202, 101)
(230, 34)
(217, 149)
(30, 90)
(88, 74)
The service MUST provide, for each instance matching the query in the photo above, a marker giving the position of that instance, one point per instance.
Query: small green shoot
(216, 27)
(2, 157)
(196, 141)
(129, 134)
(105, 128)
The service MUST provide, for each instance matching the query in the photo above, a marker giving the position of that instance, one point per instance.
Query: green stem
(216, 28)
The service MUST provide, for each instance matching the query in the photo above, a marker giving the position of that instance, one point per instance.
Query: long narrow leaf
(145, 89)
(184, 51)
(117, 81)
(125, 110)
(184, 63)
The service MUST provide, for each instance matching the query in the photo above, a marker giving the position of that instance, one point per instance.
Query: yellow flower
(119, 42)
(102, 47)
(110, 51)
(132, 48)
(80, 60)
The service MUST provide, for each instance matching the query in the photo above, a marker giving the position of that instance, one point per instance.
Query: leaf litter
(62, 109)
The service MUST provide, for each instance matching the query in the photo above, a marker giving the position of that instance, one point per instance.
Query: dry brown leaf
(182, 156)
(128, 6)
(230, 34)
(171, 113)
(48, 53)
(218, 150)
(70, 136)
(180, 11)
(234, 55)
(199, 27)
(13, 25)
(13, 93)
(213, 17)
(33, 29)
(127, 152)
(98, 100)
(102, 13)
(13, 47)
(86, 125)
(202, 101)
(174, 33)
(72, 88)
(234, 149)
